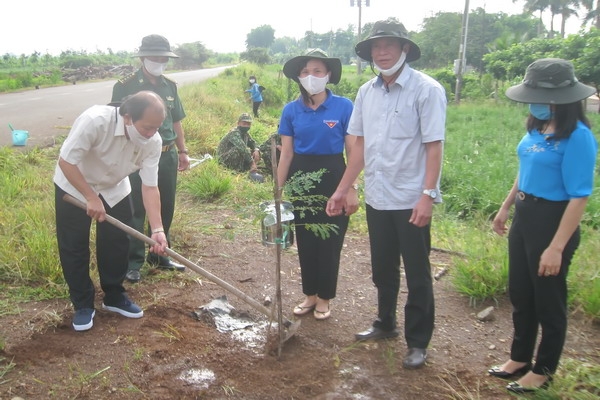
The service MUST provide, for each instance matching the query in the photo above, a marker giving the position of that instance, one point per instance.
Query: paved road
(49, 112)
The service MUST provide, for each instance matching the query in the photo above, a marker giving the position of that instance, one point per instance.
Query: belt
(168, 147)
(531, 198)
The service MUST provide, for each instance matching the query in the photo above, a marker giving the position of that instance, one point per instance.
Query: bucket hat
(387, 28)
(550, 81)
(155, 45)
(292, 67)
(245, 117)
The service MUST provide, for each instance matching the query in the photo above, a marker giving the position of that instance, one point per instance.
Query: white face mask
(395, 68)
(252, 81)
(154, 68)
(314, 84)
(135, 136)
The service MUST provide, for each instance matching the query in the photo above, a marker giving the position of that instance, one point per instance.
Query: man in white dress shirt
(104, 146)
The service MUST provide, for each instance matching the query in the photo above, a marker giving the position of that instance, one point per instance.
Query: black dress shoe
(172, 266)
(133, 276)
(376, 333)
(499, 373)
(516, 387)
(415, 358)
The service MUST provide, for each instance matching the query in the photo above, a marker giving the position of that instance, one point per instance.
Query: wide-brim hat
(155, 46)
(292, 67)
(550, 81)
(389, 28)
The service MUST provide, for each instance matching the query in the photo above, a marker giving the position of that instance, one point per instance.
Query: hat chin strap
(395, 67)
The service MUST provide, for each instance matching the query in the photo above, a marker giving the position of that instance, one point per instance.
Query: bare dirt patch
(171, 354)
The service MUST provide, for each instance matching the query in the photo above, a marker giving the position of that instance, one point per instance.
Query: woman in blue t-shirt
(255, 94)
(557, 159)
(313, 132)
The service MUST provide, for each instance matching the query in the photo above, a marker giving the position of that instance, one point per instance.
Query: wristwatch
(431, 193)
(355, 186)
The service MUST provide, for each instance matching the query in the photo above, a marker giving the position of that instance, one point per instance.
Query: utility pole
(460, 64)
(359, 4)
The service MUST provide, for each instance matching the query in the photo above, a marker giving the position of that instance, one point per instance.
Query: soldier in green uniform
(238, 151)
(154, 53)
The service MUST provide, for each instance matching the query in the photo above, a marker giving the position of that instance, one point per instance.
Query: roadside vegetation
(480, 165)
(479, 168)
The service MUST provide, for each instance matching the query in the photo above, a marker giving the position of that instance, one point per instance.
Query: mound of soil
(174, 352)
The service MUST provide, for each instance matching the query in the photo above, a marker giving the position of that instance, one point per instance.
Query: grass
(170, 332)
(479, 168)
(5, 366)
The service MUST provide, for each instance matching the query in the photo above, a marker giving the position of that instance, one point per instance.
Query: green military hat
(245, 117)
(155, 45)
(550, 81)
(292, 67)
(388, 28)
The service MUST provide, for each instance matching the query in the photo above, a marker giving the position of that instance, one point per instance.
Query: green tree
(587, 65)
(343, 45)
(534, 6)
(512, 62)
(282, 48)
(440, 38)
(191, 55)
(263, 37)
(564, 8)
(593, 12)
(257, 55)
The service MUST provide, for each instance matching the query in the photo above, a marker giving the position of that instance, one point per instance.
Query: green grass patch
(480, 166)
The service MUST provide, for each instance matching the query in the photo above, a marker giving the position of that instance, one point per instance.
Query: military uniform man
(238, 151)
(265, 151)
(155, 53)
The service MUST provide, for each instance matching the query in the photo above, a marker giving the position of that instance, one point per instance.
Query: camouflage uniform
(265, 152)
(235, 150)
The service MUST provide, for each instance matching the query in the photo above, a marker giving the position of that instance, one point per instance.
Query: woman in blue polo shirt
(557, 159)
(313, 137)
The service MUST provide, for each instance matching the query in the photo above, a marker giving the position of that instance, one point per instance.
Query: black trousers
(391, 236)
(538, 301)
(112, 244)
(255, 107)
(319, 257)
(167, 186)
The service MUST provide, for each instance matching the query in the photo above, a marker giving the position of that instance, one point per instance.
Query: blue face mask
(541, 111)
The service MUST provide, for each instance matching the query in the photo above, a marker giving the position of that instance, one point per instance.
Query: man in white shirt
(399, 123)
(104, 146)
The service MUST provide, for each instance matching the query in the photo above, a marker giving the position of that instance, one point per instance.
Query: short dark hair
(136, 104)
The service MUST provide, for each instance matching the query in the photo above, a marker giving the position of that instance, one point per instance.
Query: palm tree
(531, 6)
(593, 12)
(564, 9)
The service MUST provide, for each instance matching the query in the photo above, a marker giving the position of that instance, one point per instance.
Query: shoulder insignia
(127, 78)
(169, 79)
